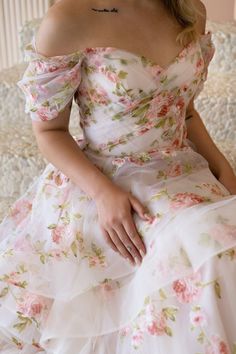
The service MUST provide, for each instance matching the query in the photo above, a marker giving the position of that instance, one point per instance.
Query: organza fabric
(63, 290)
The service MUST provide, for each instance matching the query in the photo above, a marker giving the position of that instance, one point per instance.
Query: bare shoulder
(61, 27)
(201, 16)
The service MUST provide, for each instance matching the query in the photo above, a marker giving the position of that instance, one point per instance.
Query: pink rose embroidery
(187, 289)
(20, 209)
(223, 233)
(198, 318)
(181, 200)
(217, 346)
(32, 305)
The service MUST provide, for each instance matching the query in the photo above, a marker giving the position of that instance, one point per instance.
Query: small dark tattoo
(105, 10)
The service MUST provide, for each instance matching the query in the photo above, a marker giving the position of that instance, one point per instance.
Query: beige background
(221, 10)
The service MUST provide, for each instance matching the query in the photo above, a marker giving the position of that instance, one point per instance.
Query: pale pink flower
(33, 96)
(137, 338)
(12, 278)
(45, 113)
(32, 305)
(20, 209)
(112, 76)
(217, 346)
(75, 77)
(164, 109)
(41, 89)
(175, 170)
(187, 199)
(58, 233)
(155, 70)
(142, 130)
(156, 328)
(22, 244)
(118, 161)
(198, 318)
(180, 103)
(57, 254)
(187, 289)
(199, 63)
(93, 261)
(125, 331)
(223, 233)
(99, 96)
(152, 321)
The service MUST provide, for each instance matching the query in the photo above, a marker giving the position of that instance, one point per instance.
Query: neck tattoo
(106, 10)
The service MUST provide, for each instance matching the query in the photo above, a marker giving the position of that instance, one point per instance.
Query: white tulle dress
(63, 290)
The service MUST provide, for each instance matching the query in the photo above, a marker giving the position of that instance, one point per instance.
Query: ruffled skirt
(63, 290)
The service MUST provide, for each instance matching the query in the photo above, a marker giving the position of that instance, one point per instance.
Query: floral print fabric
(63, 290)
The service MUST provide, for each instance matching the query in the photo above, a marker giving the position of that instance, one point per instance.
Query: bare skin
(71, 25)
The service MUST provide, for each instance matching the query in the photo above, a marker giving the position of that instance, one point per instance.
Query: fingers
(120, 246)
(128, 243)
(109, 240)
(131, 231)
(140, 209)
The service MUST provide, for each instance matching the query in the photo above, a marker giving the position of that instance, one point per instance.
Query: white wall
(13, 13)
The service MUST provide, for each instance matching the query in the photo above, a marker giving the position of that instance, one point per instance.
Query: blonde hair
(185, 13)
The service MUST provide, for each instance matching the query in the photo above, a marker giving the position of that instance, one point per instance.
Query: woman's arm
(198, 134)
(219, 166)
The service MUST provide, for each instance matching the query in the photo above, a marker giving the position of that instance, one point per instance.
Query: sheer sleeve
(49, 83)
(208, 51)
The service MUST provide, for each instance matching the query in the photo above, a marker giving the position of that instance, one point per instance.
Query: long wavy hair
(185, 13)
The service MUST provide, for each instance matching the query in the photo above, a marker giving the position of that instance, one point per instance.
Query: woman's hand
(114, 207)
(229, 181)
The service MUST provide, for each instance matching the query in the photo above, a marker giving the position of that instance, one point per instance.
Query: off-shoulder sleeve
(49, 83)
(208, 51)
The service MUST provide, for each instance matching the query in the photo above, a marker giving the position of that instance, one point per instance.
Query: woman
(145, 184)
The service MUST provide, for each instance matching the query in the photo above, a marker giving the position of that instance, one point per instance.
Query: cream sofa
(20, 160)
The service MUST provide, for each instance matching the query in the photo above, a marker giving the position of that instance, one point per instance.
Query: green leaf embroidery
(142, 121)
(162, 294)
(4, 292)
(168, 331)
(169, 312)
(140, 110)
(201, 337)
(187, 168)
(122, 74)
(52, 226)
(42, 258)
(217, 289)
(159, 195)
(74, 248)
(204, 239)
(161, 123)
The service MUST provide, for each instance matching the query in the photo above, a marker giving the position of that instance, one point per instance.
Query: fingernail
(130, 261)
(142, 253)
(137, 261)
(147, 216)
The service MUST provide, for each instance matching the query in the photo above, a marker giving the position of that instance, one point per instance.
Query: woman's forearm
(198, 134)
(59, 148)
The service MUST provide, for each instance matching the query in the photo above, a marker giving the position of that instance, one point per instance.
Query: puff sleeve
(49, 83)
(208, 51)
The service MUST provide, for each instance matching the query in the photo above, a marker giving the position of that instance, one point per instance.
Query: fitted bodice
(128, 104)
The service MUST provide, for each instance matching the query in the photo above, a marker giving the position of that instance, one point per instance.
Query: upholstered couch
(20, 159)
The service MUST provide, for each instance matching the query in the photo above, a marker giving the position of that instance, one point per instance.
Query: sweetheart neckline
(153, 62)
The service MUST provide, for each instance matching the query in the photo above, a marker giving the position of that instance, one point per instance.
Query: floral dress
(63, 290)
